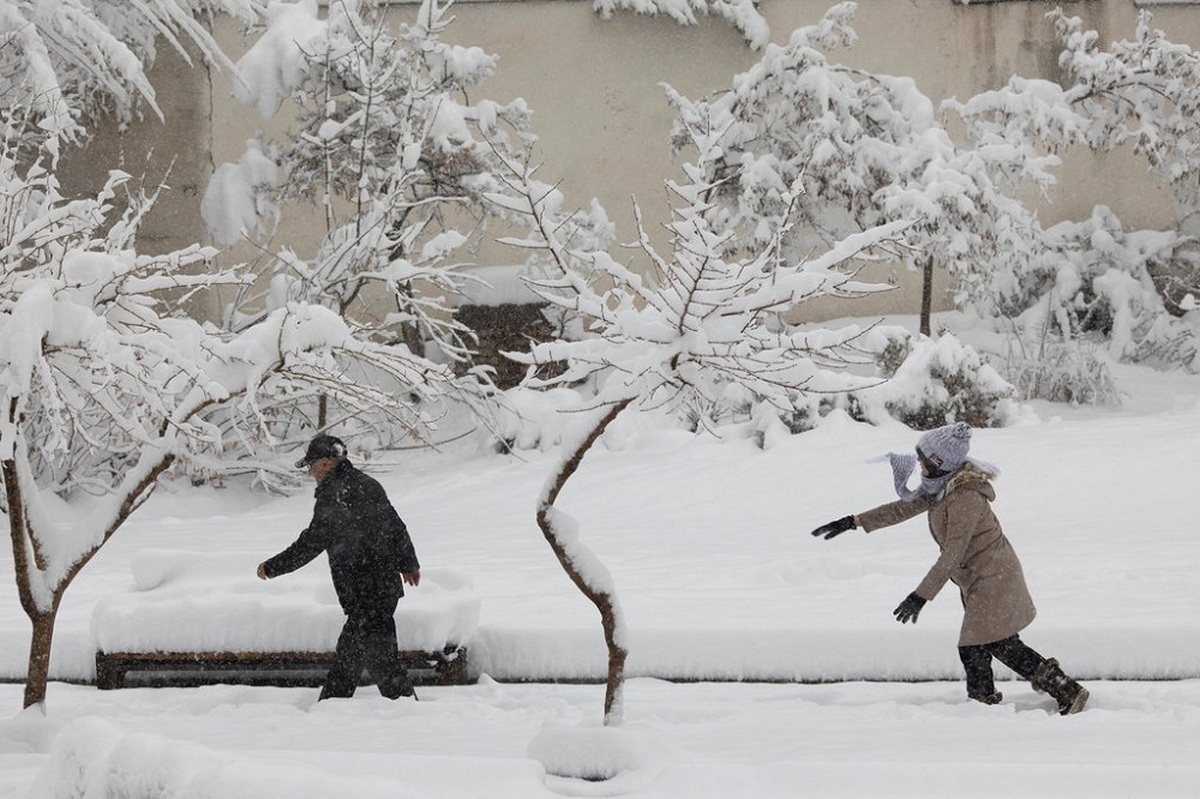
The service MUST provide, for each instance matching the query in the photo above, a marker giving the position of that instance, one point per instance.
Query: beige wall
(603, 121)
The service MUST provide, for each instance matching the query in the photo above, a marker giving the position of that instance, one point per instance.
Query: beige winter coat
(975, 555)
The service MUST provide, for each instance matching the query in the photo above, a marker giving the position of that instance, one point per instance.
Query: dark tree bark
(602, 599)
(927, 296)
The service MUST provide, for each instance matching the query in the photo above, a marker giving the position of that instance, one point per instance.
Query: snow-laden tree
(867, 148)
(104, 384)
(386, 143)
(99, 382)
(70, 60)
(705, 322)
(1128, 287)
(742, 14)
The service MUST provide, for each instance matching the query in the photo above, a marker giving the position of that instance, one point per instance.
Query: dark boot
(1070, 695)
(994, 698)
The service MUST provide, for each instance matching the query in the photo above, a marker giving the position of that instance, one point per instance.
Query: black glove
(909, 609)
(835, 528)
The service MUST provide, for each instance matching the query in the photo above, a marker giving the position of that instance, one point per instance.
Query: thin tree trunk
(927, 296)
(38, 673)
(603, 601)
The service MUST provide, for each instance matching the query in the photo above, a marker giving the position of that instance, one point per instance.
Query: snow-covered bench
(196, 617)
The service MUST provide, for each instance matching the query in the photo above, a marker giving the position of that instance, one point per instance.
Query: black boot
(994, 698)
(1070, 695)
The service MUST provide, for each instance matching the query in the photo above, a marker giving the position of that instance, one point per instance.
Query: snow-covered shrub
(1096, 283)
(930, 382)
(1074, 372)
(531, 419)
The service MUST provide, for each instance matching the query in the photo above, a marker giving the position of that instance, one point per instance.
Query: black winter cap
(322, 447)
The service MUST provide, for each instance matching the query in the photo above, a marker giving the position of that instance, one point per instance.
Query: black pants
(1012, 652)
(367, 639)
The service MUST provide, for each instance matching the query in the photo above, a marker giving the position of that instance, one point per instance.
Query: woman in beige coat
(956, 492)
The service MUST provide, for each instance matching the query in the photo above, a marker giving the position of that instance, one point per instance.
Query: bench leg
(452, 667)
(108, 676)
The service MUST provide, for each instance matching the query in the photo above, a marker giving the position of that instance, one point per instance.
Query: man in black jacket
(371, 557)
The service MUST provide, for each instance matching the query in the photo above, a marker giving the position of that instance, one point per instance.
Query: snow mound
(91, 758)
(189, 601)
(622, 758)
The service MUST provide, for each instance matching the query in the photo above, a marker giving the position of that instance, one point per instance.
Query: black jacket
(367, 543)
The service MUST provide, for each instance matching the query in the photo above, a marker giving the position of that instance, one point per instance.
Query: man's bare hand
(262, 571)
(413, 578)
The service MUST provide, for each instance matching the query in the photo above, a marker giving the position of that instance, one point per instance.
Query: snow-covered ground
(708, 542)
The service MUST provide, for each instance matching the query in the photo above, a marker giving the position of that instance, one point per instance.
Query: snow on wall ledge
(199, 602)
(812, 654)
(188, 601)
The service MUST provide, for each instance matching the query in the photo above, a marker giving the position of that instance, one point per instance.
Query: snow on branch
(705, 321)
(743, 14)
(68, 60)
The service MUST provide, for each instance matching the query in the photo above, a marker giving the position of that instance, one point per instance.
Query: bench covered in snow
(195, 617)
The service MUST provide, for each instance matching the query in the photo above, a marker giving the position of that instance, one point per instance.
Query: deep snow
(708, 544)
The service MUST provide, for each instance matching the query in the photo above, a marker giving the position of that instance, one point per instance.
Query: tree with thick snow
(100, 380)
(704, 323)
(867, 148)
(1131, 289)
(68, 60)
(105, 382)
(104, 385)
(385, 143)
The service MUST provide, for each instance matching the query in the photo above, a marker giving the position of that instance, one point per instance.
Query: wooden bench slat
(449, 666)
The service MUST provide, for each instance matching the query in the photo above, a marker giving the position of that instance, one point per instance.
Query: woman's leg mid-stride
(1043, 673)
(977, 662)
(1017, 655)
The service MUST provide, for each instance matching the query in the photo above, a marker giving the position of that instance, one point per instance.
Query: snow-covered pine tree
(704, 322)
(385, 142)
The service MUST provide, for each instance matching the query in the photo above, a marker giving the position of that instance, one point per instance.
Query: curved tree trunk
(604, 601)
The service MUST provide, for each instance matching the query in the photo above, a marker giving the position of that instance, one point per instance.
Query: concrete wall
(602, 119)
